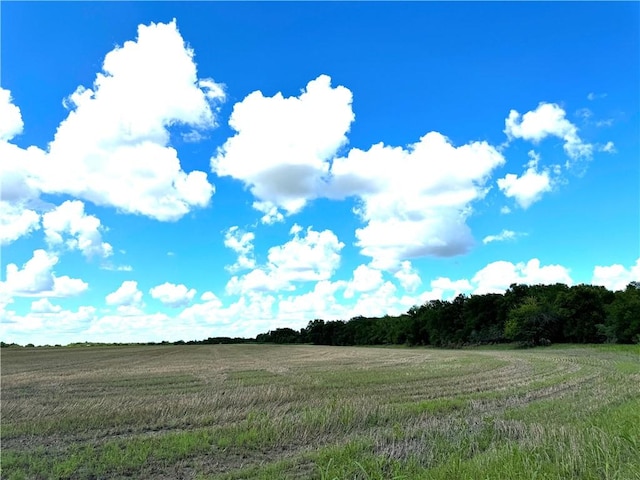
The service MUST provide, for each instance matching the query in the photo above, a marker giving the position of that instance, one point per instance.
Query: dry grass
(260, 411)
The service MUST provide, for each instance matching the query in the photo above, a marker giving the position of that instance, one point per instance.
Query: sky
(178, 171)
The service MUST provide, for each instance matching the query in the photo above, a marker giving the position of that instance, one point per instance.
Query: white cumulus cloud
(408, 277)
(82, 231)
(173, 295)
(444, 288)
(128, 298)
(113, 147)
(365, 279)
(383, 301)
(210, 310)
(10, 117)
(414, 201)
(616, 277)
(319, 303)
(496, 277)
(548, 119)
(283, 145)
(241, 243)
(17, 191)
(44, 306)
(48, 324)
(19, 177)
(312, 256)
(530, 186)
(16, 221)
(208, 296)
(37, 279)
(271, 213)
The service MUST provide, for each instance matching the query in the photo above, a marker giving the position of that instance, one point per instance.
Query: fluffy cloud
(444, 284)
(498, 276)
(132, 325)
(500, 237)
(311, 257)
(44, 306)
(271, 213)
(408, 277)
(529, 187)
(127, 298)
(616, 277)
(48, 324)
(321, 302)
(365, 279)
(173, 295)
(414, 201)
(443, 288)
(250, 314)
(19, 178)
(208, 296)
(283, 146)
(70, 220)
(208, 310)
(36, 279)
(10, 117)
(383, 301)
(16, 221)
(112, 149)
(241, 243)
(549, 119)
(257, 281)
(16, 191)
(318, 303)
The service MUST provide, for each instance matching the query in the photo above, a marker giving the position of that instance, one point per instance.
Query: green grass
(265, 412)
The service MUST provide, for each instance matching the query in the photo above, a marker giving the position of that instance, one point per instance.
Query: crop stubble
(267, 411)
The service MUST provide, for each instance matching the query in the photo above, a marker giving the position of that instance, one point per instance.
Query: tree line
(527, 314)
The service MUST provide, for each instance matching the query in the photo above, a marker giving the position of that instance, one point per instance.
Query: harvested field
(267, 411)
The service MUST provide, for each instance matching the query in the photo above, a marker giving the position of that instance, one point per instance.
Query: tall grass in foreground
(248, 411)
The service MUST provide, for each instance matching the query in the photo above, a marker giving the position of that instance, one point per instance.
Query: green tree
(623, 319)
(280, 335)
(582, 308)
(484, 318)
(531, 323)
(314, 332)
(418, 332)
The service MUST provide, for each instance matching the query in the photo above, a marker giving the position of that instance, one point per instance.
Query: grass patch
(438, 406)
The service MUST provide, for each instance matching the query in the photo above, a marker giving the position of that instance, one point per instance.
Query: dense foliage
(530, 315)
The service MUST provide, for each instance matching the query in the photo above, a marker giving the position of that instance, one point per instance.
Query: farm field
(270, 412)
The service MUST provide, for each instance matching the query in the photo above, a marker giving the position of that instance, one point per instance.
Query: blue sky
(185, 170)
